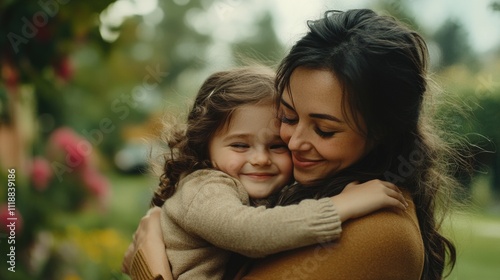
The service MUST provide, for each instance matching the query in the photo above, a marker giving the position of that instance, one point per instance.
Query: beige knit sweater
(209, 216)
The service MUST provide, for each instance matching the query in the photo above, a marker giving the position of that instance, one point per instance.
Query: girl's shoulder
(208, 175)
(209, 183)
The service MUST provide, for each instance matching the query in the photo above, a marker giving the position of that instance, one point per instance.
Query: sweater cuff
(140, 269)
(326, 223)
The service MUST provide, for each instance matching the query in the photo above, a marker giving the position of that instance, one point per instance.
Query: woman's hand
(357, 200)
(148, 238)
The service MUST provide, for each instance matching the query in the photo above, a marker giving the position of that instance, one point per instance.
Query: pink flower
(95, 182)
(10, 220)
(63, 137)
(77, 149)
(41, 174)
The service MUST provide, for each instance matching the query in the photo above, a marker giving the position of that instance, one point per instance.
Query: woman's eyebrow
(314, 115)
(287, 105)
(325, 117)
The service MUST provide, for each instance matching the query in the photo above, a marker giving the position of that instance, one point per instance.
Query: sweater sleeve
(140, 269)
(383, 245)
(213, 210)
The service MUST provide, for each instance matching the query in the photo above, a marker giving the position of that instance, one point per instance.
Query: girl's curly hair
(219, 96)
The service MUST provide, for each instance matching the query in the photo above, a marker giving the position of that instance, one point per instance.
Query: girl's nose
(260, 158)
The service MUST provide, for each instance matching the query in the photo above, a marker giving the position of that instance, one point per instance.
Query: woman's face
(321, 140)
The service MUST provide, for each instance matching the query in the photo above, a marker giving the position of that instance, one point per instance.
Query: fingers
(154, 211)
(389, 185)
(351, 185)
(395, 195)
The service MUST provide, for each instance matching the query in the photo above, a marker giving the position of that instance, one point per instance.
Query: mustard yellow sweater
(208, 217)
(385, 245)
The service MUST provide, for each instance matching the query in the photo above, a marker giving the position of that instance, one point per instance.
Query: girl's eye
(324, 134)
(239, 145)
(281, 146)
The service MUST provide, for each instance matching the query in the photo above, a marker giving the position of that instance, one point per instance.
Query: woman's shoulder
(383, 245)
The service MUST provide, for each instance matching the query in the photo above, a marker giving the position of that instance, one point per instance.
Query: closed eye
(287, 120)
(279, 146)
(239, 145)
(324, 134)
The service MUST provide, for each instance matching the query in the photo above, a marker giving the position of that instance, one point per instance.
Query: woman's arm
(145, 258)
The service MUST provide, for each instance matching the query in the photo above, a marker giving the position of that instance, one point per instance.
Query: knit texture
(209, 216)
(140, 270)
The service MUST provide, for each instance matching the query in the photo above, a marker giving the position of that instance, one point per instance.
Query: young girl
(230, 156)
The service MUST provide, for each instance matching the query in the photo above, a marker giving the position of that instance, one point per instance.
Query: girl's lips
(259, 176)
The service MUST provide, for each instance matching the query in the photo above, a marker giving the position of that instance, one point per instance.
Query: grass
(129, 200)
(477, 237)
(476, 234)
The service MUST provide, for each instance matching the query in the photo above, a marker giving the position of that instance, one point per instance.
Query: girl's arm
(357, 200)
(149, 241)
(211, 207)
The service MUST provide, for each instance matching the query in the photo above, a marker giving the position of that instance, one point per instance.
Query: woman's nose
(298, 140)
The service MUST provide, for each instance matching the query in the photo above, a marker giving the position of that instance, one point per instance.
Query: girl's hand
(357, 200)
(149, 239)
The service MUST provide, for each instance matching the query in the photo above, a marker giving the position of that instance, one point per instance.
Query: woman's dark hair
(382, 68)
(219, 96)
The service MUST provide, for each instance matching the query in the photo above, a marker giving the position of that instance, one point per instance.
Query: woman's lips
(301, 162)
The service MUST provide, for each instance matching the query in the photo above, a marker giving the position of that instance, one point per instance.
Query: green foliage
(262, 46)
(452, 40)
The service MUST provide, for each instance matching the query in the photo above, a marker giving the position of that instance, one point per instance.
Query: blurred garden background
(84, 85)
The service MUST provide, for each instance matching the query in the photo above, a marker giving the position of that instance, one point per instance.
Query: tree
(263, 45)
(451, 38)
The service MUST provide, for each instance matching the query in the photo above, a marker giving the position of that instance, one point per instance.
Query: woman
(351, 99)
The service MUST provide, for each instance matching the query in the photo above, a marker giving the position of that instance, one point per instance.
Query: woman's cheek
(286, 133)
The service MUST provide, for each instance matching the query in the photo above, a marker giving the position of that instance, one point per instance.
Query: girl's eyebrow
(314, 115)
(235, 136)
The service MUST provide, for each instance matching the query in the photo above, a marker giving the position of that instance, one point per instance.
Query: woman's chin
(305, 180)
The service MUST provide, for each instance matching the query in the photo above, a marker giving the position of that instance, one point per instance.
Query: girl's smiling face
(321, 139)
(249, 148)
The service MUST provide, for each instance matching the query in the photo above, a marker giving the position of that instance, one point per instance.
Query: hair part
(219, 96)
